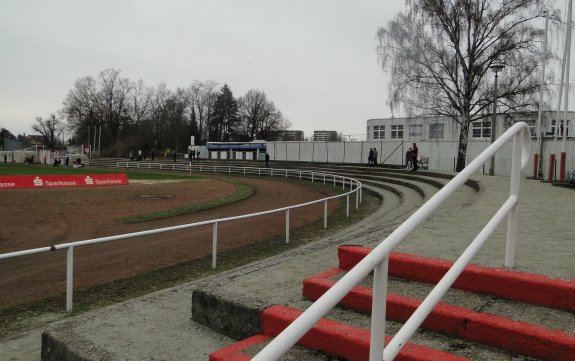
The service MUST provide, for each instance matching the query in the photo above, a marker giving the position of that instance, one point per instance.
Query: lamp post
(496, 69)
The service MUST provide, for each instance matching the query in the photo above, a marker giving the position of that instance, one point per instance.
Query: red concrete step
(500, 332)
(517, 286)
(328, 336)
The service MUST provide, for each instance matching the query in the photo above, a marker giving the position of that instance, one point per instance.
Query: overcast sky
(315, 59)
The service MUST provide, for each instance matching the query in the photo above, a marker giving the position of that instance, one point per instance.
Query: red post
(551, 168)
(535, 164)
(562, 164)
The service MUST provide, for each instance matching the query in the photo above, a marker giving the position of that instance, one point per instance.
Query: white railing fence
(378, 259)
(355, 187)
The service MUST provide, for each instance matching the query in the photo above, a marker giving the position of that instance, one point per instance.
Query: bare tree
(259, 118)
(114, 100)
(141, 101)
(439, 53)
(203, 96)
(51, 129)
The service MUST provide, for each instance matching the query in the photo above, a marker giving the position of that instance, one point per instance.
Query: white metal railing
(354, 187)
(377, 260)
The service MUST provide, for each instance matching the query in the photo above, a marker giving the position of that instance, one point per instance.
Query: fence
(355, 187)
(378, 259)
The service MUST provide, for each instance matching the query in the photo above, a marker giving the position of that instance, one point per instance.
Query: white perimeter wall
(442, 154)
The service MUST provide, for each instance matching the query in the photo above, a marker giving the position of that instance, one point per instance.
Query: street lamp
(496, 68)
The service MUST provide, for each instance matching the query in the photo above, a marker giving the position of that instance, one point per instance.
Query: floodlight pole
(496, 69)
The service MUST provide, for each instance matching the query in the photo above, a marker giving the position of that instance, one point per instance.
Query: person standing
(267, 160)
(408, 162)
(174, 155)
(370, 157)
(414, 153)
(374, 156)
(152, 153)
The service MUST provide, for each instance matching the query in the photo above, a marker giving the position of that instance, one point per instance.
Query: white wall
(442, 154)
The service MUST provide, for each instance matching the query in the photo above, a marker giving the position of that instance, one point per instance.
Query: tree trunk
(462, 148)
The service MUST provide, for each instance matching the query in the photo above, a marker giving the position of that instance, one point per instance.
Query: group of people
(411, 157)
(193, 154)
(372, 157)
(140, 155)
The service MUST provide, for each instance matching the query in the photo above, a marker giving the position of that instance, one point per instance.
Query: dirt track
(37, 218)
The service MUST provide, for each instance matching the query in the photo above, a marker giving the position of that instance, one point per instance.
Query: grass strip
(244, 191)
(22, 317)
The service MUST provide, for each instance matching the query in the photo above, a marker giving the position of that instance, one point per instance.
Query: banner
(62, 181)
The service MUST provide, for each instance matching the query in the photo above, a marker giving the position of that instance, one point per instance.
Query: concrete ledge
(62, 345)
(233, 315)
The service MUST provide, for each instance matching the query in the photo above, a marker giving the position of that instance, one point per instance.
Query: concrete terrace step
(496, 331)
(328, 336)
(343, 340)
(520, 286)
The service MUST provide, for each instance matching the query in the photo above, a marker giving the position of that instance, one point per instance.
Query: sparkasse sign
(62, 181)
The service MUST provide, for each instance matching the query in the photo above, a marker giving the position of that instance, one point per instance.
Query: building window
(560, 130)
(415, 131)
(397, 132)
(379, 132)
(481, 130)
(436, 131)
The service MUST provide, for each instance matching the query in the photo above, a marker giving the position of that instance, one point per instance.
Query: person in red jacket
(414, 152)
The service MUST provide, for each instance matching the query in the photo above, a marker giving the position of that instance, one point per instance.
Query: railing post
(324, 179)
(312, 177)
(378, 310)
(347, 206)
(244, 170)
(259, 171)
(325, 214)
(229, 170)
(271, 172)
(300, 175)
(286, 173)
(287, 226)
(69, 279)
(214, 244)
(342, 183)
(357, 196)
(514, 191)
(334, 181)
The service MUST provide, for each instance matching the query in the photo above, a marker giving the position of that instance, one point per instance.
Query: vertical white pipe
(287, 226)
(325, 214)
(541, 85)
(567, 67)
(378, 309)
(214, 244)
(357, 196)
(347, 206)
(513, 191)
(69, 278)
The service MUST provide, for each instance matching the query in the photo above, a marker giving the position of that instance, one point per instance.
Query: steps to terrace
(158, 326)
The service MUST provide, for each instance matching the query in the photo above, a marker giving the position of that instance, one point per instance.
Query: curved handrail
(377, 259)
(355, 187)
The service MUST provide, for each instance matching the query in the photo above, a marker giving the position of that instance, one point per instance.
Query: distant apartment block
(325, 136)
(290, 135)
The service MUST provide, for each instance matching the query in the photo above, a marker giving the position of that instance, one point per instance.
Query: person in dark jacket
(414, 153)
